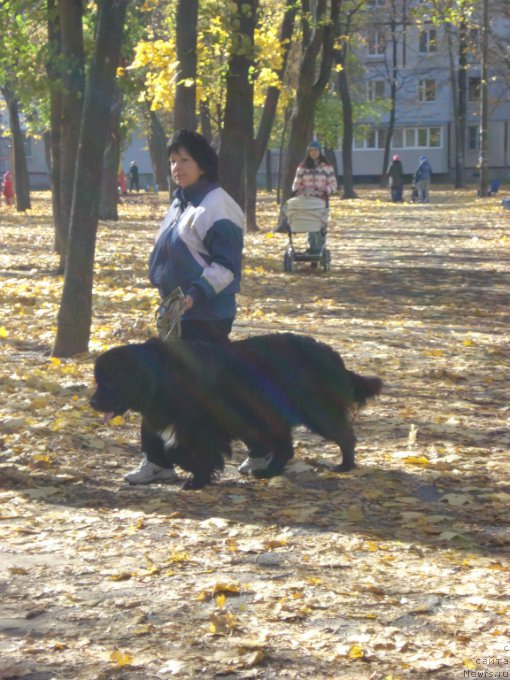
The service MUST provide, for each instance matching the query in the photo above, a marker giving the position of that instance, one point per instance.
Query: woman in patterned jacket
(315, 177)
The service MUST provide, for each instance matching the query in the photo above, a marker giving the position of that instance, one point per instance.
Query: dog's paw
(267, 473)
(344, 467)
(193, 484)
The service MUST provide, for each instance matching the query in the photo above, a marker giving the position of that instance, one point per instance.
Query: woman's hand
(187, 303)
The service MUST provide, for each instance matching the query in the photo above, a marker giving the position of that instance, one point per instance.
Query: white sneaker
(148, 472)
(252, 463)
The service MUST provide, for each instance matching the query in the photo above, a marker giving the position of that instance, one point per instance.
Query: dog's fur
(255, 390)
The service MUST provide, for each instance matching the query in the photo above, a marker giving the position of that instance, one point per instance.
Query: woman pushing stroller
(315, 177)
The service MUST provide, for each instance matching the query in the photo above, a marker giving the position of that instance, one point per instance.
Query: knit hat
(396, 157)
(314, 144)
(422, 158)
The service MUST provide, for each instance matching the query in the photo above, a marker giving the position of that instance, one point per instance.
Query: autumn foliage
(397, 570)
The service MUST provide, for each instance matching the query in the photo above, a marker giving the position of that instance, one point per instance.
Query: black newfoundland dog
(199, 397)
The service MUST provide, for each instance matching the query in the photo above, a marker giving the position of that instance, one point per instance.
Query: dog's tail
(365, 387)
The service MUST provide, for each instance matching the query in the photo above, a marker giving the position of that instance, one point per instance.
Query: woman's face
(314, 153)
(184, 169)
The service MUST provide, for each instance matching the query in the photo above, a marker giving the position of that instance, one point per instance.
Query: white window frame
(372, 90)
(372, 140)
(427, 90)
(376, 42)
(429, 44)
(473, 135)
(411, 138)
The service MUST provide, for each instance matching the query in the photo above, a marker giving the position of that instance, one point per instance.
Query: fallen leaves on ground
(399, 569)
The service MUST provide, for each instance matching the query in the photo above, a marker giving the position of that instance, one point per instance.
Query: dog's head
(126, 378)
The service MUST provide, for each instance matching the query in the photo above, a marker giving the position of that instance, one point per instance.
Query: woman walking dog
(198, 249)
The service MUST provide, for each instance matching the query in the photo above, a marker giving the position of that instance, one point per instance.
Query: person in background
(423, 177)
(199, 249)
(134, 177)
(7, 187)
(315, 177)
(396, 179)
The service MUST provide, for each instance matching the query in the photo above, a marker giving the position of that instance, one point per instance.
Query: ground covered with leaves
(399, 569)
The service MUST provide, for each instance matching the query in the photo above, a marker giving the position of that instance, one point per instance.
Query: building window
(434, 137)
(428, 41)
(423, 137)
(376, 89)
(474, 85)
(403, 138)
(371, 142)
(397, 140)
(427, 90)
(372, 139)
(410, 138)
(376, 41)
(473, 138)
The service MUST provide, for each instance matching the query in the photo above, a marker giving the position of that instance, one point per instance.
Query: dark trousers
(191, 330)
(396, 194)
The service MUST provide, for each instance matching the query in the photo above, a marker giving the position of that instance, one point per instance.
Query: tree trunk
(347, 135)
(55, 92)
(317, 40)
(461, 117)
(484, 104)
(273, 93)
(109, 199)
(205, 121)
(186, 43)
(75, 313)
(72, 71)
(393, 95)
(256, 149)
(250, 197)
(20, 174)
(157, 148)
(237, 131)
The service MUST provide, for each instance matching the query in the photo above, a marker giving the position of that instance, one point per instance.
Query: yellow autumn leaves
(157, 60)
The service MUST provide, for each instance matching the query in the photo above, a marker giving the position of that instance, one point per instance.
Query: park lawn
(397, 570)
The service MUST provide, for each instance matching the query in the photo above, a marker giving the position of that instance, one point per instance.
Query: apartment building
(401, 41)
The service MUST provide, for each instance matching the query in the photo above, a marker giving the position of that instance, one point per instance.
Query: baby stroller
(306, 214)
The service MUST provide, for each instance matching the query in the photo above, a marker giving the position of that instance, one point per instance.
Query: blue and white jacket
(199, 248)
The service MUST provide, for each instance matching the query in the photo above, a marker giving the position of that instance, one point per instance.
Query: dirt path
(397, 570)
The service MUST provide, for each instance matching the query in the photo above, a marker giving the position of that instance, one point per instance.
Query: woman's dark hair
(198, 148)
(308, 161)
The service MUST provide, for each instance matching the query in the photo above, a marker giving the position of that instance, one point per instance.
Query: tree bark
(205, 121)
(484, 103)
(273, 93)
(393, 94)
(318, 40)
(55, 91)
(20, 174)
(157, 148)
(72, 84)
(237, 131)
(75, 313)
(109, 199)
(186, 44)
(347, 135)
(461, 117)
(257, 148)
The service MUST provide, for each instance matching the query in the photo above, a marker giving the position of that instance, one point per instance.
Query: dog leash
(168, 316)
